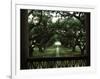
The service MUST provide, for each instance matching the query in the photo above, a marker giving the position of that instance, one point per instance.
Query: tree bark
(73, 49)
(24, 39)
(87, 26)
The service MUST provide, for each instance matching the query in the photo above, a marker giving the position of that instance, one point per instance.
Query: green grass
(51, 52)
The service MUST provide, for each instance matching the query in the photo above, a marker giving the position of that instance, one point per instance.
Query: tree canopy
(46, 27)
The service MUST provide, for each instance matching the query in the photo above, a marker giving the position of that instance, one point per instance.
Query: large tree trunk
(24, 38)
(73, 49)
(82, 50)
(40, 48)
(87, 26)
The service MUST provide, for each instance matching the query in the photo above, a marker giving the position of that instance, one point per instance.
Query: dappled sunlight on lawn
(51, 52)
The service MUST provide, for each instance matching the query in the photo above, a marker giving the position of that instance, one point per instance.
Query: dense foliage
(46, 27)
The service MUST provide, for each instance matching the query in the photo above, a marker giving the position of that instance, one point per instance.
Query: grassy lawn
(51, 52)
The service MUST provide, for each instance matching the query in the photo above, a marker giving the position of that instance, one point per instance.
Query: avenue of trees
(41, 28)
(47, 26)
